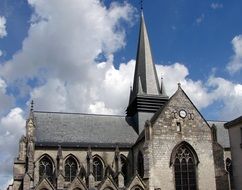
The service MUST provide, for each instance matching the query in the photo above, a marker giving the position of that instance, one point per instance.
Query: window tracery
(46, 168)
(70, 169)
(185, 169)
(97, 169)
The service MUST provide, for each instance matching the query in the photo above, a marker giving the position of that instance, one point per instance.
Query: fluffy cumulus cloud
(235, 63)
(178, 73)
(3, 31)
(65, 38)
(11, 129)
(229, 93)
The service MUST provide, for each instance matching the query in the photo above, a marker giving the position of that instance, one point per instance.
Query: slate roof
(222, 133)
(82, 130)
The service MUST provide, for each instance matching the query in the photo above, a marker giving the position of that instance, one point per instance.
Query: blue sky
(79, 57)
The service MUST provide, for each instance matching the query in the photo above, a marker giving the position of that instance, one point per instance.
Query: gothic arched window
(185, 169)
(70, 169)
(140, 165)
(45, 168)
(124, 168)
(97, 169)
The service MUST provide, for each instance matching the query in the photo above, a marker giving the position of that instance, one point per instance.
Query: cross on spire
(141, 5)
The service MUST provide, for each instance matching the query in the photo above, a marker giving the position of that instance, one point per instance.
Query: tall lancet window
(140, 165)
(45, 168)
(124, 168)
(185, 169)
(97, 169)
(70, 169)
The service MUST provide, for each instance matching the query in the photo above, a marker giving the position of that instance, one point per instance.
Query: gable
(77, 183)
(136, 181)
(45, 184)
(180, 116)
(108, 183)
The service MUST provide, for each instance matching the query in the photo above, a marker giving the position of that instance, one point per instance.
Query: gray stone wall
(165, 136)
(222, 177)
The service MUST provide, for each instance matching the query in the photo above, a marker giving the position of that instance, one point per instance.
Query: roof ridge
(214, 120)
(78, 113)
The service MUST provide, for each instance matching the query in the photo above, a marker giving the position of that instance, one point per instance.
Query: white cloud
(67, 38)
(6, 100)
(200, 19)
(178, 73)
(235, 63)
(3, 31)
(229, 93)
(216, 6)
(11, 129)
(1, 53)
(108, 85)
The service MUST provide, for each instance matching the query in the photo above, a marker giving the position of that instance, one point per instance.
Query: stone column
(60, 174)
(91, 180)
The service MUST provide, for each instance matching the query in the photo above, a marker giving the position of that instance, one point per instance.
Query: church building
(162, 143)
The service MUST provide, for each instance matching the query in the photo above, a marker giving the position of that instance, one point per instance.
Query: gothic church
(162, 143)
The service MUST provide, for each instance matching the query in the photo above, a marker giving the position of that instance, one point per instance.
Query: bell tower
(146, 95)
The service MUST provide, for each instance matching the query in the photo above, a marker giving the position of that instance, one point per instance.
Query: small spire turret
(162, 87)
(31, 111)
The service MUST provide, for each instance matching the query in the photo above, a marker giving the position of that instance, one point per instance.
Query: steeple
(145, 69)
(147, 95)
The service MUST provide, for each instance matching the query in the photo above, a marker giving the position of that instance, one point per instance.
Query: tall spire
(145, 69)
(147, 95)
